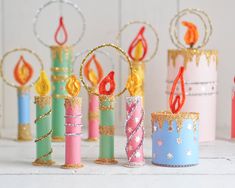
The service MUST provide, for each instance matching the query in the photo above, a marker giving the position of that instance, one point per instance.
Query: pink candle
(134, 131)
(233, 113)
(93, 119)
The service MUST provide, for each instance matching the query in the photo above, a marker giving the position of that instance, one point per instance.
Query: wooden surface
(216, 168)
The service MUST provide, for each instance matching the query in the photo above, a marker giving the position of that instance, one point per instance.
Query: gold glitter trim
(24, 132)
(106, 161)
(188, 55)
(106, 108)
(42, 101)
(92, 139)
(59, 50)
(61, 78)
(61, 69)
(43, 163)
(106, 130)
(72, 102)
(106, 98)
(161, 117)
(43, 116)
(43, 137)
(70, 166)
(93, 115)
(59, 96)
(23, 90)
(57, 139)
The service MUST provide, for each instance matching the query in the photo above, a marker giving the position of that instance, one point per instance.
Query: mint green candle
(43, 131)
(106, 129)
(61, 70)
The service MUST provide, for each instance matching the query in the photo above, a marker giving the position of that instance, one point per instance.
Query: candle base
(24, 133)
(174, 166)
(106, 161)
(43, 163)
(92, 139)
(134, 164)
(71, 166)
(57, 139)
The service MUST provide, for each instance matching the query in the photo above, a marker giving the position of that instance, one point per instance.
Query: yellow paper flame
(138, 50)
(73, 86)
(42, 86)
(92, 77)
(134, 84)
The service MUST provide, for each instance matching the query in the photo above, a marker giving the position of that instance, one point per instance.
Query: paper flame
(73, 86)
(42, 86)
(191, 36)
(61, 28)
(109, 79)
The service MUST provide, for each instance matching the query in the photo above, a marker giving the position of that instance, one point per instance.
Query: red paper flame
(109, 79)
(65, 34)
(23, 71)
(139, 38)
(177, 103)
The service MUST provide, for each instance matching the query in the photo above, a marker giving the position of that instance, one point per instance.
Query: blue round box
(175, 139)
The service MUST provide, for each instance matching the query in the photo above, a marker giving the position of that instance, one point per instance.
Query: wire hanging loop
(147, 25)
(61, 24)
(11, 52)
(121, 52)
(208, 29)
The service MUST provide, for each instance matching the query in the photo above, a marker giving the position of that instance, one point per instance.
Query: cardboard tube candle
(73, 123)
(43, 122)
(23, 72)
(134, 123)
(61, 70)
(106, 128)
(93, 109)
(139, 47)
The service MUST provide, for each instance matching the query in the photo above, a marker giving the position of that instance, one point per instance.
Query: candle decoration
(61, 65)
(43, 122)
(107, 99)
(134, 123)
(233, 111)
(73, 124)
(200, 69)
(23, 73)
(138, 50)
(175, 133)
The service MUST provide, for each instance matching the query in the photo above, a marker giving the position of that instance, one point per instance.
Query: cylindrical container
(61, 70)
(134, 131)
(24, 131)
(106, 130)
(200, 85)
(175, 139)
(43, 131)
(139, 68)
(93, 118)
(73, 123)
(233, 113)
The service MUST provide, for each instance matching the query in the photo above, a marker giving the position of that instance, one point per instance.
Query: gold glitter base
(106, 161)
(24, 133)
(43, 163)
(92, 139)
(70, 166)
(57, 139)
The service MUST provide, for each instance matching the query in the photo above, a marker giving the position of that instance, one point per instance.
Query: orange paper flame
(191, 36)
(90, 74)
(73, 86)
(61, 28)
(23, 71)
(139, 44)
(109, 79)
(43, 86)
(177, 103)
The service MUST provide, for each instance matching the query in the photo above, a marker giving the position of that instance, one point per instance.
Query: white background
(104, 19)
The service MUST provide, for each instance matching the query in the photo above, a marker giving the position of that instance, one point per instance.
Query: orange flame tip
(191, 36)
(23, 71)
(42, 86)
(109, 79)
(73, 86)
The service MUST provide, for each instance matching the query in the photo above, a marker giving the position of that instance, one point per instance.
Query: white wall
(104, 19)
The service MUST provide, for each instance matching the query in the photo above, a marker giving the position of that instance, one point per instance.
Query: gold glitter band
(57, 51)
(109, 98)
(24, 132)
(106, 108)
(188, 55)
(106, 161)
(43, 116)
(106, 130)
(70, 166)
(161, 117)
(106, 98)
(60, 78)
(59, 96)
(40, 162)
(93, 115)
(72, 101)
(61, 69)
(42, 101)
(43, 137)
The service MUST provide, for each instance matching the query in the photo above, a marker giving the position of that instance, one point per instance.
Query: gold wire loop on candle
(11, 52)
(149, 26)
(202, 16)
(121, 51)
(75, 6)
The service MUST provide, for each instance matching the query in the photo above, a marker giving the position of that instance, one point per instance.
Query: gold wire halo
(121, 52)
(202, 16)
(17, 50)
(75, 6)
(146, 24)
